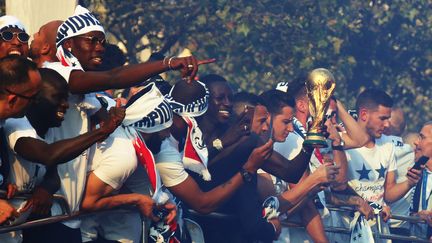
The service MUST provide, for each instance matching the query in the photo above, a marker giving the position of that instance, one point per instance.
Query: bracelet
(164, 62)
(169, 62)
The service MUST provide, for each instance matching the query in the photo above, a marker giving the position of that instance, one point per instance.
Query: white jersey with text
(368, 167)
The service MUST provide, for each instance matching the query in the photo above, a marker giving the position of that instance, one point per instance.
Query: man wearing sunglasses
(19, 82)
(13, 37)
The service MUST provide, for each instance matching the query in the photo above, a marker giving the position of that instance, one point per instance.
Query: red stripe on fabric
(145, 157)
(189, 150)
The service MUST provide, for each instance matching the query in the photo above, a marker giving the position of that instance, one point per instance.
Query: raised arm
(130, 75)
(354, 136)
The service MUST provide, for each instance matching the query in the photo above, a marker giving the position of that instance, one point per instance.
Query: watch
(217, 144)
(339, 147)
(247, 176)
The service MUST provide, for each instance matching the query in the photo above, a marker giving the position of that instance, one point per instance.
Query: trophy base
(316, 140)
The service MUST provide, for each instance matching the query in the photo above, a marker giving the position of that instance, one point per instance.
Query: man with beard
(371, 168)
(28, 143)
(19, 83)
(83, 50)
(183, 158)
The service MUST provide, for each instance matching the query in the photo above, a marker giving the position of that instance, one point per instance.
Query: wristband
(169, 62)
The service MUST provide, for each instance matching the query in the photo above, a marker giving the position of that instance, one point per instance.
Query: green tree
(257, 43)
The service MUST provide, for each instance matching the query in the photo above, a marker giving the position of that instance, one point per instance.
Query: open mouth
(60, 115)
(14, 52)
(97, 60)
(224, 113)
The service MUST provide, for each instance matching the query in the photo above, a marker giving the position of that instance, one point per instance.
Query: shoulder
(21, 125)
(291, 146)
(64, 71)
(386, 142)
(169, 151)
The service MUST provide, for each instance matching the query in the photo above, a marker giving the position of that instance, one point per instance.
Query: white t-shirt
(1, 176)
(368, 167)
(23, 173)
(73, 173)
(169, 163)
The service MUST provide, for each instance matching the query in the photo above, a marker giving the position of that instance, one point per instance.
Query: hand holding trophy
(320, 85)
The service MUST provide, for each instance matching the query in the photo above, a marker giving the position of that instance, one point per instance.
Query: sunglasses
(94, 40)
(9, 35)
(29, 98)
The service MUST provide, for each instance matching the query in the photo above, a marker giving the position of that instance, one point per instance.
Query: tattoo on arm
(339, 199)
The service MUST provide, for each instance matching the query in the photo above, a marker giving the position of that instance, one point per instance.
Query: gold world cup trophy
(320, 85)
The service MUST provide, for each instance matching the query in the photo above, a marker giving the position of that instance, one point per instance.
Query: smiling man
(14, 39)
(35, 155)
(19, 82)
(421, 202)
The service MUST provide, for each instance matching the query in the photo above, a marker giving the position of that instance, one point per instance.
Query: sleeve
(172, 173)
(64, 71)
(169, 164)
(18, 128)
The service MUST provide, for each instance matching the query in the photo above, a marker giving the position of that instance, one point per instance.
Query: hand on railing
(386, 213)
(365, 209)
(426, 216)
(40, 201)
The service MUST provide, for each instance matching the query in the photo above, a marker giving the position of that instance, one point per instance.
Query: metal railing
(68, 215)
(341, 230)
(65, 214)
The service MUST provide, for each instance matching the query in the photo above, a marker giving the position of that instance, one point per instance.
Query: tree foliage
(257, 43)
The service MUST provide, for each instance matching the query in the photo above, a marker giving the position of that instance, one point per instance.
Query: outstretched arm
(288, 170)
(130, 75)
(207, 202)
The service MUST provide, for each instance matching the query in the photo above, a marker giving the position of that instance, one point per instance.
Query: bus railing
(341, 230)
(68, 215)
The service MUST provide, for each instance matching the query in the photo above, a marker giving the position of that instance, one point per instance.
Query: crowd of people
(149, 159)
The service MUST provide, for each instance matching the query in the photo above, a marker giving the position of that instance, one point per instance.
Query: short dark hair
(52, 78)
(248, 98)
(274, 100)
(14, 70)
(297, 88)
(212, 78)
(372, 98)
(186, 93)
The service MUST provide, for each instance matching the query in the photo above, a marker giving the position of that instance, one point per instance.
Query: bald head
(43, 47)
(397, 122)
(50, 30)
